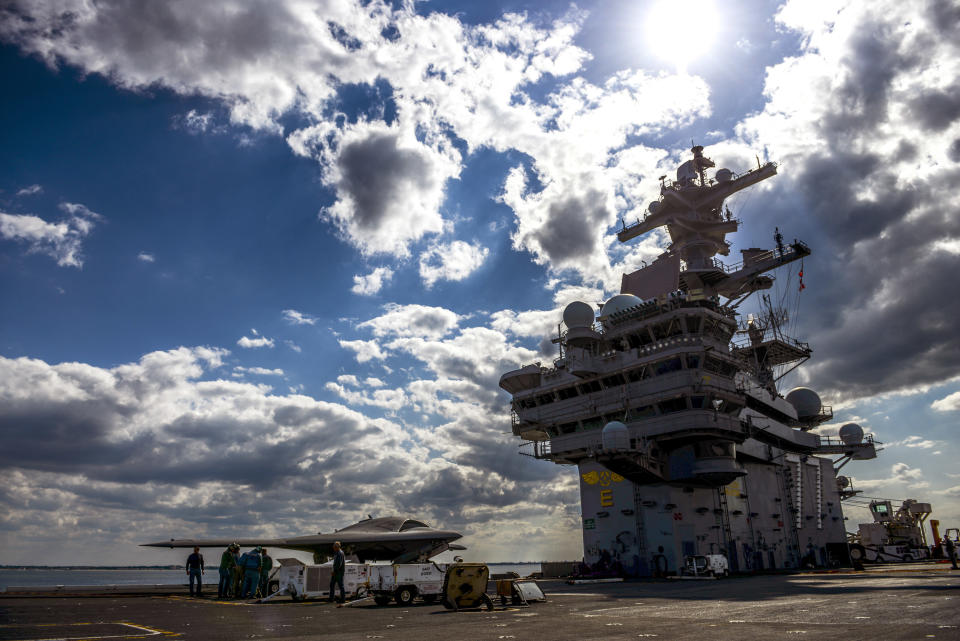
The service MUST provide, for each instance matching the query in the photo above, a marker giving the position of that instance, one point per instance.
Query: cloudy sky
(263, 263)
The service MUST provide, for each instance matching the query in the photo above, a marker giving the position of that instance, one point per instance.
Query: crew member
(250, 564)
(952, 553)
(266, 564)
(336, 577)
(195, 570)
(228, 567)
(237, 575)
(659, 563)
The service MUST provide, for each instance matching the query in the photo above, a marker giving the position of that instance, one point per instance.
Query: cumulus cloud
(30, 191)
(948, 403)
(384, 398)
(436, 79)
(412, 320)
(451, 261)
(195, 122)
(915, 442)
(900, 474)
(389, 187)
(145, 257)
(859, 122)
(371, 283)
(294, 317)
(258, 371)
(248, 342)
(364, 350)
(166, 445)
(61, 240)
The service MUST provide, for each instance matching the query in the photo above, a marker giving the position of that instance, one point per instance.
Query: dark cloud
(954, 150)
(374, 171)
(937, 110)
(572, 231)
(876, 309)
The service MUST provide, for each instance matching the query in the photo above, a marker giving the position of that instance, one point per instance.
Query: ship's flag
(802, 286)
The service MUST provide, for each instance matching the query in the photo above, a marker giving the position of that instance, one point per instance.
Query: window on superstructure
(616, 380)
(593, 423)
(659, 331)
(693, 324)
(639, 413)
(567, 428)
(731, 408)
(668, 365)
(589, 386)
(719, 366)
(526, 403)
(697, 402)
(567, 392)
(693, 361)
(672, 405)
(545, 399)
(615, 416)
(638, 374)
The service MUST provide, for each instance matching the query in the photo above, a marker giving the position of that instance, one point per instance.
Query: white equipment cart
(405, 582)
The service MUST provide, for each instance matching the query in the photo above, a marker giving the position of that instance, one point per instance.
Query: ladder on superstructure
(638, 519)
(725, 518)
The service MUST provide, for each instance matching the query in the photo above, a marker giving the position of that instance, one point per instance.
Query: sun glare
(681, 33)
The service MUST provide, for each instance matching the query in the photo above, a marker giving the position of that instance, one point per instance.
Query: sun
(681, 33)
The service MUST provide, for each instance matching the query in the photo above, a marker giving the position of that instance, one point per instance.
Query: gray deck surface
(893, 602)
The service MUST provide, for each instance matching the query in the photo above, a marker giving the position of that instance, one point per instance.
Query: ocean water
(53, 577)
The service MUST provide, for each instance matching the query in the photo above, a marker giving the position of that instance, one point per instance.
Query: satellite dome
(806, 402)
(851, 434)
(615, 436)
(654, 207)
(619, 303)
(578, 314)
(723, 175)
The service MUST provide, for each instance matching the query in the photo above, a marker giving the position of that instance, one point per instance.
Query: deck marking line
(139, 634)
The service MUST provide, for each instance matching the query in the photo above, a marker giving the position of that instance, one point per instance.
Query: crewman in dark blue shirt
(195, 570)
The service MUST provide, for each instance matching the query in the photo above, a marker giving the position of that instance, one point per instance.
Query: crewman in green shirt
(266, 564)
(228, 569)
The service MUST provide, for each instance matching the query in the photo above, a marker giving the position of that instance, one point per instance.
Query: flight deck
(908, 601)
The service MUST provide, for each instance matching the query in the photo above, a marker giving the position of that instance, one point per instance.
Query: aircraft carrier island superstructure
(667, 402)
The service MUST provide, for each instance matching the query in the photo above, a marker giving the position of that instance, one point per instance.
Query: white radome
(578, 314)
(615, 436)
(806, 401)
(851, 434)
(619, 303)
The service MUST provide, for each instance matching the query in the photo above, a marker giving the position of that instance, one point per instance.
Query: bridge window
(638, 374)
(638, 413)
(668, 365)
(545, 399)
(672, 405)
(593, 423)
(719, 367)
(567, 428)
(615, 380)
(567, 392)
(589, 386)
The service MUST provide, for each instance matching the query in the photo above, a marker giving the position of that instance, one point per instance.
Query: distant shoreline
(91, 567)
(173, 567)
